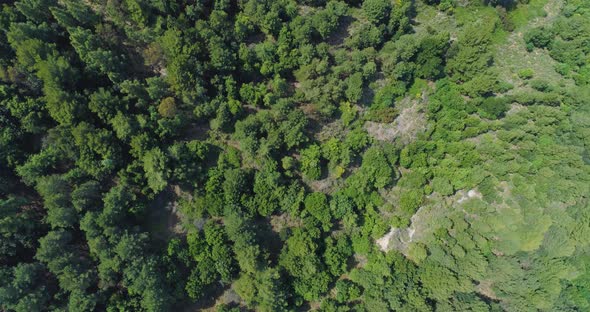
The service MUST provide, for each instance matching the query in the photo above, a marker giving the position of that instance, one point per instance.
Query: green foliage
(410, 200)
(301, 261)
(187, 161)
(316, 204)
(56, 198)
(337, 253)
(210, 251)
(24, 289)
(526, 73)
(266, 133)
(327, 20)
(349, 113)
(340, 156)
(38, 165)
(354, 87)
(494, 107)
(385, 97)
(310, 162)
(376, 11)
(470, 54)
(377, 168)
(167, 107)
(154, 165)
(442, 186)
(538, 38)
(264, 290)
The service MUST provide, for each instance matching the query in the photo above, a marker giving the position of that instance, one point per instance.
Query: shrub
(442, 186)
(540, 85)
(526, 73)
(538, 38)
(410, 200)
(494, 107)
(167, 107)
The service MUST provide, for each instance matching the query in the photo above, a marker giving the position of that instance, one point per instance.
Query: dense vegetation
(281, 155)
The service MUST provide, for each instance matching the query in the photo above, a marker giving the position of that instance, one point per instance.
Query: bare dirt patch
(486, 288)
(515, 108)
(424, 222)
(405, 127)
(284, 220)
(400, 239)
(324, 185)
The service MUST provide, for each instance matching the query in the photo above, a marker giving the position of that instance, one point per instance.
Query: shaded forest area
(293, 155)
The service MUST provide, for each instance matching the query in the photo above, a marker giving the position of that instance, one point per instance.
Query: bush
(537, 98)
(385, 97)
(503, 87)
(494, 107)
(382, 115)
(526, 73)
(442, 186)
(538, 37)
(540, 85)
(410, 200)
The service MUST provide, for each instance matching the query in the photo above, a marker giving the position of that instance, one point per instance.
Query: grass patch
(527, 12)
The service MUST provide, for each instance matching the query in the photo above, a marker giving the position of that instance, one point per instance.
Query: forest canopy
(294, 155)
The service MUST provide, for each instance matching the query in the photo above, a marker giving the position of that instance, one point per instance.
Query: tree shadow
(268, 239)
(337, 37)
(209, 299)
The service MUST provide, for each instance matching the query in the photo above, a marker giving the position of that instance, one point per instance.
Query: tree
(338, 251)
(39, 165)
(292, 129)
(156, 171)
(376, 11)
(87, 196)
(235, 185)
(105, 104)
(99, 59)
(186, 159)
(299, 258)
(57, 75)
(230, 112)
(504, 3)
(326, 21)
(167, 107)
(21, 228)
(271, 294)
(410, 200)
(56, 197)
(430, 59)
(442, 186)
(539, 37)
(24, 288)
(310, 162)
(376, 168)
(124, 126)
(316, 204)
(469, 55)
(213, 259)
(59, 252)
(248, 253)
(355, 87)
(494, 107)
